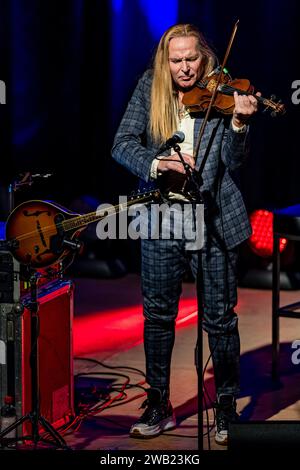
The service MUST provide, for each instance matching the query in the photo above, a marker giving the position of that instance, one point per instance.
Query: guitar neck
(86, 219)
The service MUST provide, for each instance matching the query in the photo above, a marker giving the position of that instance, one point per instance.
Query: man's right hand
(173, 162)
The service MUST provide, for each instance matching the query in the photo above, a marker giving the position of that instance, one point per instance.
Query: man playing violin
(155, 111)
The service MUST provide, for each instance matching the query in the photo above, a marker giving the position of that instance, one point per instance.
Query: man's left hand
(245, 107)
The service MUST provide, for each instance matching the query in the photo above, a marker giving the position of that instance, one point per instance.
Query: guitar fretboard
(82, 220)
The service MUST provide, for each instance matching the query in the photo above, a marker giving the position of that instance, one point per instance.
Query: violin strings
(230, 90)
(227, 89)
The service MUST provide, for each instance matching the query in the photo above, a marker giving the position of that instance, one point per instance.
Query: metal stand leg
(199, 357)
(275, 307)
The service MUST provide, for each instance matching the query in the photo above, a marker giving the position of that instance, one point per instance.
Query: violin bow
(204, 122)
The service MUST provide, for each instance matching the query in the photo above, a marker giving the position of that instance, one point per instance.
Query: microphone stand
(24, 180)
(195, 181)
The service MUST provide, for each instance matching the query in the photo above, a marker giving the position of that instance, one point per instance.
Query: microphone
(176, 138)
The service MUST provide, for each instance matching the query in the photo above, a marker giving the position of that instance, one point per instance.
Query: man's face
(184, 61)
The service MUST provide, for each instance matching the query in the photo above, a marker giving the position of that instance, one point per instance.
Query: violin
(199, 97)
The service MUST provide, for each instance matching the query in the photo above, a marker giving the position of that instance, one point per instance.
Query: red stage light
(261, 240)
(121, 328)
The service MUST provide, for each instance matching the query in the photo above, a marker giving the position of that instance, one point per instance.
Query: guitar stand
(34, 415)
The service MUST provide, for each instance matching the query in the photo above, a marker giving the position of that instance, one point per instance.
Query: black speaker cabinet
(264, 435)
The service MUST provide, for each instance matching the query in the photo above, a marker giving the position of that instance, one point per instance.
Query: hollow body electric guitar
(41, 233)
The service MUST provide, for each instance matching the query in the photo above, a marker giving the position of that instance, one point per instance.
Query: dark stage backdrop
(70, 66)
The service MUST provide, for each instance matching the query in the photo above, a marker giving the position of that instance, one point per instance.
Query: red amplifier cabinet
(55, 354)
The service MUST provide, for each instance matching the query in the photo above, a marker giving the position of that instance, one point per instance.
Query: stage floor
(109, 365)
(108, 327)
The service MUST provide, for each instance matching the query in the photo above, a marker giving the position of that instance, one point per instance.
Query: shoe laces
(154, 412)
(225, 413)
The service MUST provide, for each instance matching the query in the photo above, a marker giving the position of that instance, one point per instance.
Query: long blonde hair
(163, 112)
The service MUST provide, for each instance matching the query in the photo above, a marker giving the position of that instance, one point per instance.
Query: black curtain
(53, 57)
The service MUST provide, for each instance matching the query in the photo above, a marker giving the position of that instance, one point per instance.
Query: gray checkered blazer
(226, 217)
